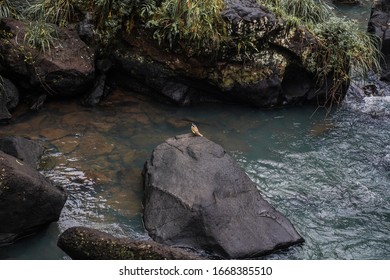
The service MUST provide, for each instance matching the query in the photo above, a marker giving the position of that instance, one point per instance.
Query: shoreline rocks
(67, 69)
(197, 196)
(82, 243)
(28, 151)
(274, 75)
(28, 201)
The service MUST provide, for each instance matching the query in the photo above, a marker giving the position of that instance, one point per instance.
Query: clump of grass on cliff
(196, 25)
(299, 11)
(57, 12)
(40, 35)
(109, 16)
(342, 49)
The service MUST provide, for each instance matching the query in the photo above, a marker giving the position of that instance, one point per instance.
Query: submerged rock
(197, 196)
(28, 200)
(82, 243)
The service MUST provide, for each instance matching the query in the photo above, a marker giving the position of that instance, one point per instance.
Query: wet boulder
(28, 200)
(82, 243)
(9, 98)
(28, 151)
(196, 195)
(66, 69)
(378, 26)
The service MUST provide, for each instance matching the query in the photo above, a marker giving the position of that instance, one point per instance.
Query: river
(328, 172)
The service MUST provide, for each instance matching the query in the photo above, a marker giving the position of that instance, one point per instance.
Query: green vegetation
(197, 28)
(110, 16)
(11, 8)
(196, 25)
(342, 49)
(40, 35)
(57, 12)
(299, 11)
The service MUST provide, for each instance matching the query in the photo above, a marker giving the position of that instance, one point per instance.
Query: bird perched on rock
(195, 130)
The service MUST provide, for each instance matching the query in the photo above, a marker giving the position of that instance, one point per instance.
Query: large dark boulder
(378, 25)
(82, 243)
(28, 201)
(196, 195)
(9, 98)
(66, 69)
(270, 72)
(29, 151)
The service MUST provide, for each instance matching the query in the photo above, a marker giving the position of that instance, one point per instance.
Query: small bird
(195, 130)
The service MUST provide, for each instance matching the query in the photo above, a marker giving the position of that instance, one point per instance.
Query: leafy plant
(40, 35)
(110, 16)
(147, 8)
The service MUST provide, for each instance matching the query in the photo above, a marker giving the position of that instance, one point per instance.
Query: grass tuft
(57, 12)
(40, 35)
(196, 25)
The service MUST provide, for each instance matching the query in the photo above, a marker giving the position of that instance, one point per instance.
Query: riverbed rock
(28, 200)
(9, 98)
(97, 93)
(82, 243)
(66, 69)
(273, 75)
(378, 25)
(28, 151)
(196, 195)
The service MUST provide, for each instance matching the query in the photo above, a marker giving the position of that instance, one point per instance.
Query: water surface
(328, 173)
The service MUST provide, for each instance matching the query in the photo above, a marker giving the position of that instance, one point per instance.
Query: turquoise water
(330, 175)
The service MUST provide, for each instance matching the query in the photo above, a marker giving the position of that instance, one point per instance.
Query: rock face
(82, 243)
(197, 196)
(275, 74)
(67, 69)
(9, 98)
(28, 201)
(378, 25)
(27, 150)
